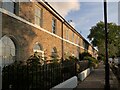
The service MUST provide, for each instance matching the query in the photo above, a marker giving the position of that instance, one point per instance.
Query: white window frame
(54, 21)
(39, 51)
(8, 6)
(38, 16)
(73, 37)
(77, 41)
(67, 34)
(8, 57)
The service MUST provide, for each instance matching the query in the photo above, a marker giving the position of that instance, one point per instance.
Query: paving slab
(96, 80)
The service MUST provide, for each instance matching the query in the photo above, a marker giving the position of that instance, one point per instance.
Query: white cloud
(63, 8)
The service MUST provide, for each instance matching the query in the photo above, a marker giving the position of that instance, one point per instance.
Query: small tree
(84, 54)
(92, 61)
(34, 60)
(54, 57)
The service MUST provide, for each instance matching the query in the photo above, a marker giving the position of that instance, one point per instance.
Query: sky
(84, 15)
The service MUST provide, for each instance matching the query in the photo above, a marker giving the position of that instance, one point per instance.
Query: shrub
(84, 54)
(72, 58)
(82, 65)
(35, 75)
(34, 60)
(54, 57)
(92, 61)
(68, 69)
(11, 73)
(101, 57)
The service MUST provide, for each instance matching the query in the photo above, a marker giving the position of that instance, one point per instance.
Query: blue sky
(89, 14)
(84, 15)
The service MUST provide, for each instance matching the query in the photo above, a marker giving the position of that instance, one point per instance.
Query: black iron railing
(26, 77)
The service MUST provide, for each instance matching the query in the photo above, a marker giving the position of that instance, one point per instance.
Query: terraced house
(29, 27)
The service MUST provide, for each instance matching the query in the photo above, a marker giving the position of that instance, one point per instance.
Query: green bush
(72, 58)
(84, 54)
(33, 74)
(92, 61)
(82, 65)
(11, 73)
(69, 67)
(101, 57)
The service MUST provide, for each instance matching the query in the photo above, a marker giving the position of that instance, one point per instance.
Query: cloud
(63, 8)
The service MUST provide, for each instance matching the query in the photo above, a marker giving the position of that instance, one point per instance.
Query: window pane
(38, 50)
(8, 50)
(37, 12)
(53, 25)
(38, 16)
(9, 5)
(73, 37)
(67, 34)
(36, 47)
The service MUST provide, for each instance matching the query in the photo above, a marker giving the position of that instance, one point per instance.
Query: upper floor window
(83, 43)
(9, 5)
(67, 34)
(38, 16)
(54, 26)
(77, 41)
(73, 37)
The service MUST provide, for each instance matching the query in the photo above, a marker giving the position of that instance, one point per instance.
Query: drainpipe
(62, 46)
(107, 84)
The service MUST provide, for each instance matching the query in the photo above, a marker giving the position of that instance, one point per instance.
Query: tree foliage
(97, 38)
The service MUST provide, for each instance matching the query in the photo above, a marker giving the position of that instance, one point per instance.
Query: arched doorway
(7, 51)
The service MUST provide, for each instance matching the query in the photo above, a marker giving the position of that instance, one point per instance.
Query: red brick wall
(26, 35)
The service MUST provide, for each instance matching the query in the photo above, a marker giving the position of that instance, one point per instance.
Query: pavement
(96, 80)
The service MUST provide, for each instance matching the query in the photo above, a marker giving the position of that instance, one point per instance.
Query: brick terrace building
(28, 27)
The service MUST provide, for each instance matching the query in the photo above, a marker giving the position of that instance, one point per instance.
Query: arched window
(38, 49)
(7, 51)
(54, 53)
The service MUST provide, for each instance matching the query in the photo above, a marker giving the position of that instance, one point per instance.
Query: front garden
(32, 74)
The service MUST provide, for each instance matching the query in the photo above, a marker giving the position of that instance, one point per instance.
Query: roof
(53, 11)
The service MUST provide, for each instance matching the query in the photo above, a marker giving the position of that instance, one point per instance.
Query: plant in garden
(72, 58)
(84, 54)
(82, 65)
(54, 57)
(92, 61)
(34, 60)
(34, 75)
(11, 73)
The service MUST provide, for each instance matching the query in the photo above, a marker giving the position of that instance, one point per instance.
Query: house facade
(29, 27)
